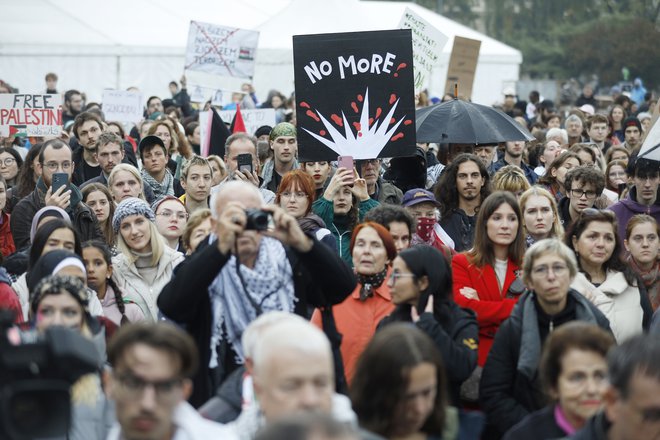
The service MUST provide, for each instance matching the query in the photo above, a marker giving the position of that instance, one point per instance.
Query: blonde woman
(510, 179)
(145, 263)
(540, 215)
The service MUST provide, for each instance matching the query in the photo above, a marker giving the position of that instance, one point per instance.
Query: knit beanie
(632, 122)
(131, 206)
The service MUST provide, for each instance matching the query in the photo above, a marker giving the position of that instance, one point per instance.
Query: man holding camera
(247, 271)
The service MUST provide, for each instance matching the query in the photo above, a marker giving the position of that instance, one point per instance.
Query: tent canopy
(93, 45)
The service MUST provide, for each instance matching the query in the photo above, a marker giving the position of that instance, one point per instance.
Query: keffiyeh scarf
(269, 284)
(166, 188)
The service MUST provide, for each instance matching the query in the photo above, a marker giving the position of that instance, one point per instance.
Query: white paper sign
(122, 106)
(221, 50)
(30, 115)
(428, 43)
(253, 119)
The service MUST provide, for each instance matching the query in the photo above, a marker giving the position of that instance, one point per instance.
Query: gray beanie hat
(131, 206)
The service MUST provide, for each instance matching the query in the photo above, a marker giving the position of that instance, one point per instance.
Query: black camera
(36, 374)
(257, 219)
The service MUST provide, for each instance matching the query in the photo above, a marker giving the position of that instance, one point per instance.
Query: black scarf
(370, 282)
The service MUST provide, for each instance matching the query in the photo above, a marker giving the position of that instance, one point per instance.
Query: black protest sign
(354, 95)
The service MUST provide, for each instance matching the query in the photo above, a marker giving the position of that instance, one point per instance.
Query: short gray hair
(231, 186)
(554, 132)
(574, 118)
(548, 246)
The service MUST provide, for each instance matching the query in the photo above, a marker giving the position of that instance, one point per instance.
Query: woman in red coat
(485, 277)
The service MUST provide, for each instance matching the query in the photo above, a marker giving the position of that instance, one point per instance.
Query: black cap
(149, 141)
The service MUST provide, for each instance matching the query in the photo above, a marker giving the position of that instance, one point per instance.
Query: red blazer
(492, 307)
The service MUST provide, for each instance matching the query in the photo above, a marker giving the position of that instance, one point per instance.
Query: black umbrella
(462, 122)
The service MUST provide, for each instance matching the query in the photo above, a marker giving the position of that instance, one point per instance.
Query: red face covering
(425, 227)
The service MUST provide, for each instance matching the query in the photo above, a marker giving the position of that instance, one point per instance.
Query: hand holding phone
(59, 180)
(244, 162)
(348, 163)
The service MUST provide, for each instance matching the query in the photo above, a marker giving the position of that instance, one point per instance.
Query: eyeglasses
(168, 214)
(134, 387)
(544, 270)
(8, 162)
(579, 193)
(396, 275)
(54, 166)
(297, 195)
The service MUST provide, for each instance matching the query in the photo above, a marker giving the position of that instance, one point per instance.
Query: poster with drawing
(354, 95)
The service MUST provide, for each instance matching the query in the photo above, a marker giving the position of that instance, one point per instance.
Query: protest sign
(354, 95)
(427, 42)
(30, 115)
(221, 50)
(122, 106)
(463, 65)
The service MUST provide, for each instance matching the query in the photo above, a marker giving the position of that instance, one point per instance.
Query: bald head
(235, 191)
(293, 370)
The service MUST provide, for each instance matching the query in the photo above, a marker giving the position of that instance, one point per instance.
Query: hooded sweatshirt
(628, 207)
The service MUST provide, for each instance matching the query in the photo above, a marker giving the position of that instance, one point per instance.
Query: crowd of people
(470, 291)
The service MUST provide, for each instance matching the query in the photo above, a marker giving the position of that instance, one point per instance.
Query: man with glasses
(583, 185)
(87, 128)
(379, 190)
(150, 382)
(642, 197)
(55, 157)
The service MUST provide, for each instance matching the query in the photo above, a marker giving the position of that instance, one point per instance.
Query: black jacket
(83, 219)
(320, 279)
(461, 228)
(539, 425)
(456, 334)
(79, 177)
(595, 429)
(564, 212)
(510, 388)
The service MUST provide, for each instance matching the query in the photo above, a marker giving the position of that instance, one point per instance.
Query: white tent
(93, 44)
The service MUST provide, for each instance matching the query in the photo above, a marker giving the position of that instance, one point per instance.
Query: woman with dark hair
(343, 205)
(421, 285)
(358, 315)
(642, 241)
(99, 199)
(98, 262)
(193, 135)
(573, 372)
(296, 195)
(616, 179)
(616, 117)
(399, 389)
(603, 278)
(7, 246)
(10, 164)
(553, 179)
(53, 234)
(27, 177)
(62, 300)
(485, 277)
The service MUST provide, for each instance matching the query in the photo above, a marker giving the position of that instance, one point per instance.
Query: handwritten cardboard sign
(221, 50)
(30, 115)
(463, 65)
(122, 106)
(427, 42)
